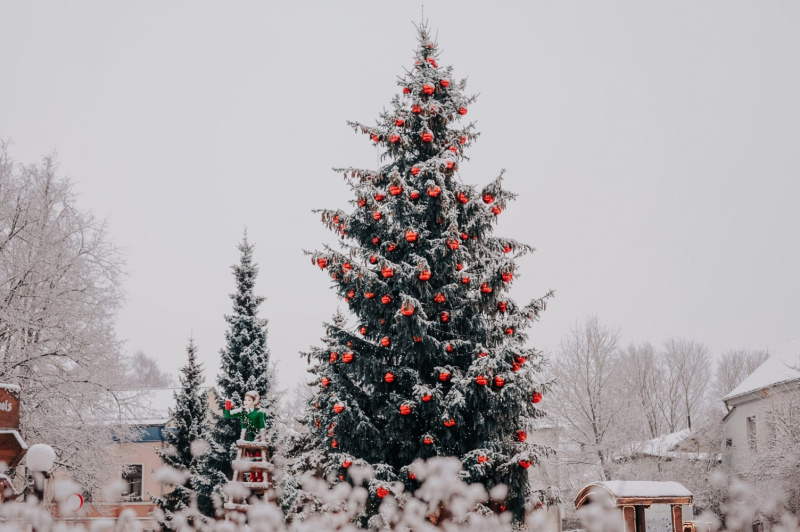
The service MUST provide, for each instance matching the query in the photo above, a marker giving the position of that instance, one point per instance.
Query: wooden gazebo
(634, 497)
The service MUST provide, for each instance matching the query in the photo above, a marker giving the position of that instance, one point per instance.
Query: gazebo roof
(633, 492)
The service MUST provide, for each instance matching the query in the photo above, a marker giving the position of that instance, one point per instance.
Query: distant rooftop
(781, 367)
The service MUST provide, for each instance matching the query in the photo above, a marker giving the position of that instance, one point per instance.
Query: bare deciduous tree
(59, 291)
(642, 375)
(690, 363)
(586, 396)
(144, 372)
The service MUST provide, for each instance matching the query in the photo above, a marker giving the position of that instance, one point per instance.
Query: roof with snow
(620, 492)
(782, 367)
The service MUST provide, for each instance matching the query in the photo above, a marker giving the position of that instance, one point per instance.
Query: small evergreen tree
(188, 425)
(436, 363)
(244, 366)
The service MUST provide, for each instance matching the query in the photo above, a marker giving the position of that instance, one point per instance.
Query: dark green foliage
(467, 263)
(244, 366)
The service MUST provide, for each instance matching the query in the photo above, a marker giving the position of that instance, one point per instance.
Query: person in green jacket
(253, 424)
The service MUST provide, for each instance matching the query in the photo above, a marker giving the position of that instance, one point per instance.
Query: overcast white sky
(655, 148)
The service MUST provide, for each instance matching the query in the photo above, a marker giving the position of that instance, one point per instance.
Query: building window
(751, 433)
(132, 478)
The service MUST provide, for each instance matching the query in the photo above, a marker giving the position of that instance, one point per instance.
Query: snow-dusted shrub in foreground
(443, 502)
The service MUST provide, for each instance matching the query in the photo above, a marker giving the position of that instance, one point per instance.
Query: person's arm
(231, 412)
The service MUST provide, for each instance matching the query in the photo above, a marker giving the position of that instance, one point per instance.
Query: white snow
(644, 488)
(40, 457)
(781, 367)
(11, 388)
(659, 446)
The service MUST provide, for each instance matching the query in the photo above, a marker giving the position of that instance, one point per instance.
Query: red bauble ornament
(381, 492)
(488, 199)
(449, 422)
(464, 236)
(395, 190)
(350, 293)
(347, 357)
(411, 236)
(452, 243)
(399, 122)
(453, 149)
(481, 380)
(521, 359)
(386, 300)
(334, 443)
(509, 331)
(486, 289)
(414, 195)
(496, 210)
(445, 317)
(502, 307)
(482, 459)
(376, 138)
(516, 366)
(338, 408)
(483, 354)
(362, 202)
(462, 111)
(506, 249)
(373, 259)
(377, 215)
(425, 275)
(376, 240)
(428, 89)
(463, 140)
(336, 219)
(449, 348)
(417, 339)
(387, 272)
(406, 309)
(459, 267)
(406, 90)
(432, 61)
(394, 137)
(391, 246)
(347, 266)
(444, 83)
(434, 191)
(347, 463)
(416, 109)
(363, 331)
(389, 377)
(537, 397)
(507, 276)
(334, 357)
(439, 297)
(499, 381)
(427, 136)
(385, 342)
(448, 164)
(462, 197)
(325, 381)
(522, 435)
(426, 397)
(465, 280)
(405, 410)
(379, 197)
(322, 262)
(444, 376)
(412, 476)
(525, 463)
(369, 295)
(415, 170)
(427, 440)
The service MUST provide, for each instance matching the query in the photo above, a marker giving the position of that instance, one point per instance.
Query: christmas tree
(189, 430)
(436, 363)
(244, 366)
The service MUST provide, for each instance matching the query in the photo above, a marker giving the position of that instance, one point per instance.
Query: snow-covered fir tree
(244, 366)
(436, 362)
(186, 437)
